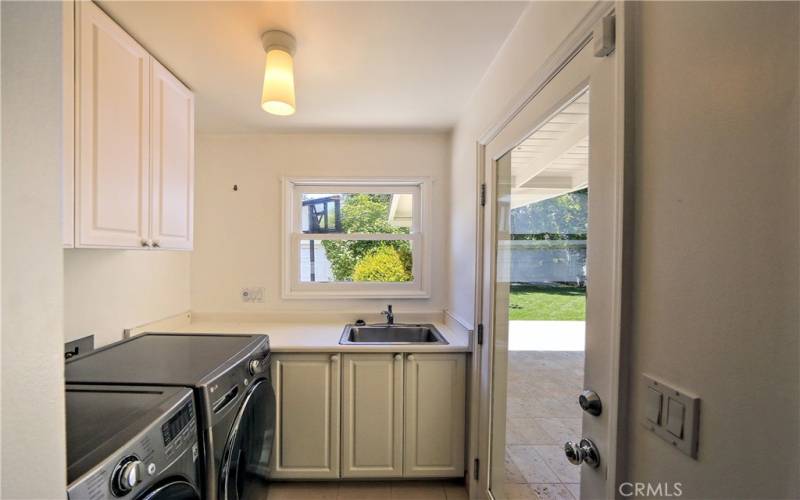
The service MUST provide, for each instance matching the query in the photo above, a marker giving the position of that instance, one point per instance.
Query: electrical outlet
(253, 294)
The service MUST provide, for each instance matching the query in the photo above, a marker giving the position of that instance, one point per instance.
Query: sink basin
(391, 334)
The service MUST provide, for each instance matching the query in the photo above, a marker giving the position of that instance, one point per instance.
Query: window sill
(354, 294)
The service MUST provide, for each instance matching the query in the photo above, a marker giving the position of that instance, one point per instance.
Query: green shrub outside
(381, 264)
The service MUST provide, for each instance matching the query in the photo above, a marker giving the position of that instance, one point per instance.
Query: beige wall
(238, 233)
(106, 291)
(33, 437)
(716, 241)
(537, 34)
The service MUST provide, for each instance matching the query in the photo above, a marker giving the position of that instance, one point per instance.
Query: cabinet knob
(398, 357)
(156, 245)
(334, 357)
(145, 243)
(411, 357)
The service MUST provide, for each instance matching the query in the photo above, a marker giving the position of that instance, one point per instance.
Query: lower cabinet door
(372, 415)
(435, 399)
(307, 424)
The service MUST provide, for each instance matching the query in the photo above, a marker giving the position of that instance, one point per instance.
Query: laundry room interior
(422, 250)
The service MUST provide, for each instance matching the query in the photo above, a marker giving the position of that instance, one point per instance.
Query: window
(350, 238)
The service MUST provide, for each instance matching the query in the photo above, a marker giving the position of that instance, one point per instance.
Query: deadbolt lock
(590, 402)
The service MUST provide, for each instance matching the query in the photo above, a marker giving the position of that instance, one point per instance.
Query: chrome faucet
(389, 314)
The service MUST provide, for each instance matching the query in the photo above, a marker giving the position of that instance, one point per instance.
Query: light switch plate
(680, 415)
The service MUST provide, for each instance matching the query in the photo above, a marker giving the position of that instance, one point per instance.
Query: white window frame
(419, 236)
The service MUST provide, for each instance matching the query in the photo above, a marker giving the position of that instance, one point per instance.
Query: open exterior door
(587, 70)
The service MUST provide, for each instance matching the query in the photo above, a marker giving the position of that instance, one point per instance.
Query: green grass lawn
(543, 302)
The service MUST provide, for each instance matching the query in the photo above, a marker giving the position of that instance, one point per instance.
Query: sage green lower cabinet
(435, 401)
(372, 415)
(307, 422)
(402, 415)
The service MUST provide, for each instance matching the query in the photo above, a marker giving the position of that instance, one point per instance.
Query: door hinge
(480, 334)
(476, 469)
(483, 195)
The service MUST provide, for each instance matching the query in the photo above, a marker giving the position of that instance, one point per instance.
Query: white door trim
(571, 45)
(481, 391)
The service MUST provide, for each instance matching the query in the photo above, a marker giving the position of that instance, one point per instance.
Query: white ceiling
(359, 65)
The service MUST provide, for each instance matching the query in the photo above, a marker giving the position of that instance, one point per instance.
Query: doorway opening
(546, 220)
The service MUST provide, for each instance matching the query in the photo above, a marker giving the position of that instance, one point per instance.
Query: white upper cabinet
(134, 143)
(172, 161)
(113, 105)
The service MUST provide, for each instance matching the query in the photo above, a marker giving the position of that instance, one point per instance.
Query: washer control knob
(256, 366)
(127, 475)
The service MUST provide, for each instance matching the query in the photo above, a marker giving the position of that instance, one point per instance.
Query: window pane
(339, 261)
(389, 213)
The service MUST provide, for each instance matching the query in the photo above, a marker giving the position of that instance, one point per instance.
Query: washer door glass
(177, 490)
(245, 461)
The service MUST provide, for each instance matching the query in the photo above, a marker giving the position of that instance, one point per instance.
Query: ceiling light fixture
(277, 95)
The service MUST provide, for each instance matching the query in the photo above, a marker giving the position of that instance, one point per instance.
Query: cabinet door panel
(112, 181)
(372, 415)
(307, 423)
(172, 160)
(434, 415)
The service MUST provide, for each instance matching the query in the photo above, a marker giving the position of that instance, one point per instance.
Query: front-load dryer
(230, 376)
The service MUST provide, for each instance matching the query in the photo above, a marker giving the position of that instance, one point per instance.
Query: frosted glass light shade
(277, 95)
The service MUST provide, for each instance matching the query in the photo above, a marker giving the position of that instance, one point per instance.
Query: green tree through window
(364, 260)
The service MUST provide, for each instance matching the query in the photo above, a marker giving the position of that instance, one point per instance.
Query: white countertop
(318, 336)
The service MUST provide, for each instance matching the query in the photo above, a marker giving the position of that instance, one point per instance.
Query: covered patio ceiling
(554, 159)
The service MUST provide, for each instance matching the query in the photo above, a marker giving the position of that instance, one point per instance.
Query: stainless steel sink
(391, 334)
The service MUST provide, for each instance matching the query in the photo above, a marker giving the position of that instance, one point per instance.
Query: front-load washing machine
(137, 443)
(230, 376)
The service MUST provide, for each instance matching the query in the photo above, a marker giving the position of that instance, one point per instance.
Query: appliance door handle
(225, 400)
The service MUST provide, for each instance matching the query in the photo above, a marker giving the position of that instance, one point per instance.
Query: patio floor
(545, 375)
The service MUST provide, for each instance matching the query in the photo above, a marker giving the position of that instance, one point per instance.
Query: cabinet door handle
(156, 245)
(145, 243)
(411, 357)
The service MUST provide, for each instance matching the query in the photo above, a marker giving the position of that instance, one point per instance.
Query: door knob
(583, 452)
(590, 402)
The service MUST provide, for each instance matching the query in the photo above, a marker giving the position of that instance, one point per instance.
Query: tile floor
(542, 414)
(368, 490)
